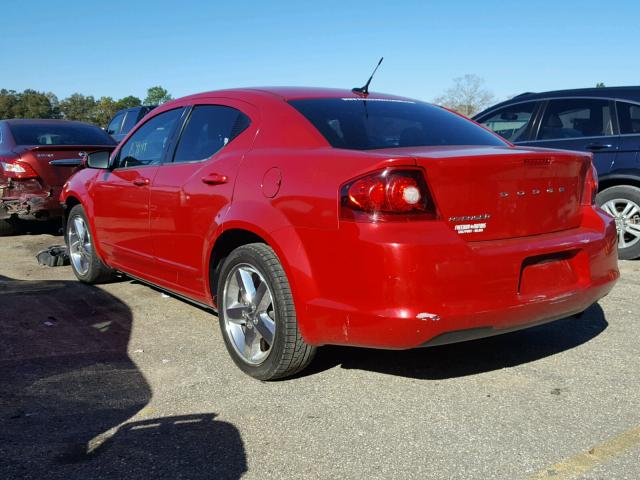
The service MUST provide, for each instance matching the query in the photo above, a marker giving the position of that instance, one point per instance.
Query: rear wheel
(257, 315)
(84, 261)
(623, 203)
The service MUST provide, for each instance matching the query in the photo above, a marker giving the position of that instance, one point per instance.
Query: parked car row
(603, 121)
(307, 217)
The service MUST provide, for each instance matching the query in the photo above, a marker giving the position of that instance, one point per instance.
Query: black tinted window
(364, 124)
(147, 144)
(115, 124)
(629, 117)
(511, 122)
(209, 128)
(58, 134)
(130, 121)
(576, 118)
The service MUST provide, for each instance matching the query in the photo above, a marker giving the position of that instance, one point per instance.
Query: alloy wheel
(627, 216)
(79, 245)
(249, 315)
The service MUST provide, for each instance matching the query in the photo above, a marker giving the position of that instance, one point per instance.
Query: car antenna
(365, 89)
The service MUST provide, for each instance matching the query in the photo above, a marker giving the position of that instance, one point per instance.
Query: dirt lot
(122, 381)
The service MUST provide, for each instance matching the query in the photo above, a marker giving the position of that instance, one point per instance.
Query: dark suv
(604, 121)
(124, 120)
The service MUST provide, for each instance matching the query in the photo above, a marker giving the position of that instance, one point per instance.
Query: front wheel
(257, 315)
(84, 261)
(623, 203)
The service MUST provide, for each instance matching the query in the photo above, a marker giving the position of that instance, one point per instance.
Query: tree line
(33, 104)
(467, 95)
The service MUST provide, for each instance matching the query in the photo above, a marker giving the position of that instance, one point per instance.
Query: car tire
(616, 201)
(7, 227)
(257, 315)
(85, 263)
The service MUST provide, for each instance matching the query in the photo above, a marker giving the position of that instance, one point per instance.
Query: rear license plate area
(550, 273)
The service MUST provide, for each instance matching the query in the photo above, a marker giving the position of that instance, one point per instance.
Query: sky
(118, 48)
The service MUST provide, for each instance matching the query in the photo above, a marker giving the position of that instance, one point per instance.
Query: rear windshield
(366, 124)
(58, 134)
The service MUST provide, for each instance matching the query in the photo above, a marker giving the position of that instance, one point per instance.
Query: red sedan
(34, 165)
(313, 216)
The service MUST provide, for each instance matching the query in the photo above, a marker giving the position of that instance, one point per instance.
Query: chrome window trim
(573, 138)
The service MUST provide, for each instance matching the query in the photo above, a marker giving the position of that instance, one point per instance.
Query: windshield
(366, 124)
(58, 134)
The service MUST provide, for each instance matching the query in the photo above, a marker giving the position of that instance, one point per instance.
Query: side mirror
(98, 160)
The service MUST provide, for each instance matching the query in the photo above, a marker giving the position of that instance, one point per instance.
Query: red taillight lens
(387, 195)
(17, 170)
(590, 189)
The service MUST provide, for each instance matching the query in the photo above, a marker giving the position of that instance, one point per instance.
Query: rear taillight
(392, 194)
(590, 189)
(16, 169)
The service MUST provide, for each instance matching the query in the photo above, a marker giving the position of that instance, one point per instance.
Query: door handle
(599, 146)
(215, 179)
(141, 181)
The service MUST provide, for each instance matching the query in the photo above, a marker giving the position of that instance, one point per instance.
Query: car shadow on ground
(468, 358)
(68, 389)
(38, 227)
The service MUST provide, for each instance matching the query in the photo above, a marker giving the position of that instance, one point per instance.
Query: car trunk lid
(491, 193)
(39, 157)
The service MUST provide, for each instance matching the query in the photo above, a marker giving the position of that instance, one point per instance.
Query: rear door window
(511, 122)
(208, 129)
(576, 118)
(148, 143)
(629, 118)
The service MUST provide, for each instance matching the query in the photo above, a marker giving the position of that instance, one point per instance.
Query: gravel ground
(121, 381)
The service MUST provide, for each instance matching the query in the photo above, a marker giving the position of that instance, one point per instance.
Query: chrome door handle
(599, 146)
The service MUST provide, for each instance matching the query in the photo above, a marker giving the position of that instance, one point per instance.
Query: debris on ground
(54, 256)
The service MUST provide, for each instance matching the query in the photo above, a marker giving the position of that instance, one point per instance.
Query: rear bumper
(29, 204)
(409, 285)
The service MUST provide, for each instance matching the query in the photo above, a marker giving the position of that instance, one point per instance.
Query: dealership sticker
(470, 228)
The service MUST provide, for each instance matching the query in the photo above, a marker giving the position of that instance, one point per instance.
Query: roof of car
(139, 107)
(631, 93)
(44, 121)
(293, 93)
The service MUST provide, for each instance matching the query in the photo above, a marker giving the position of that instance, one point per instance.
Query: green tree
(600, 85)
(128, 102)
(34, 104)
(105, 109)
(8, 101)
(157, 96)
(79, 107)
